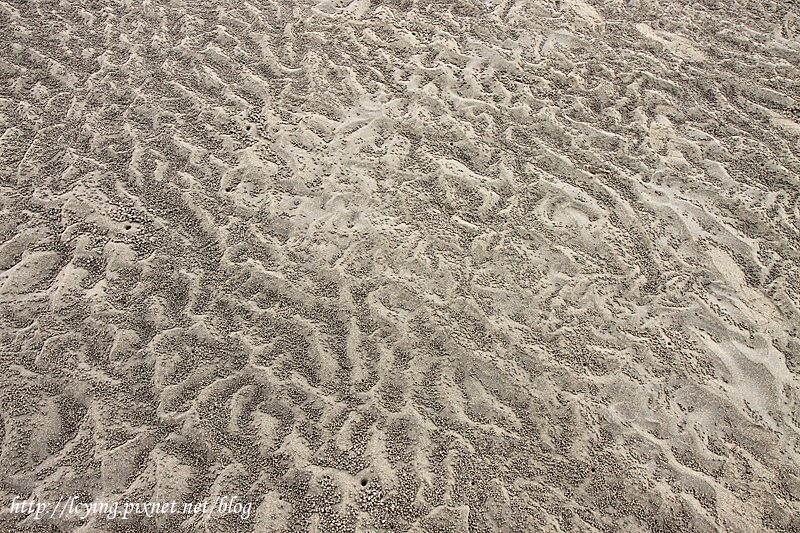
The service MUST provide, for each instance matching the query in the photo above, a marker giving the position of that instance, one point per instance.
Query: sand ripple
(403, 265)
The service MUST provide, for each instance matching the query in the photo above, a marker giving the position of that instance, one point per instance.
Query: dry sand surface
(401, 265)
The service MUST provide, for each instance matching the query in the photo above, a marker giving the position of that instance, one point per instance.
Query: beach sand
(401, 266)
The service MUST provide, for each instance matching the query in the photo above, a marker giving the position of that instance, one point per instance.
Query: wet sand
(402, 266)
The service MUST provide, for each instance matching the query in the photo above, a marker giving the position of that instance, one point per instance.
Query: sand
(401, 266)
